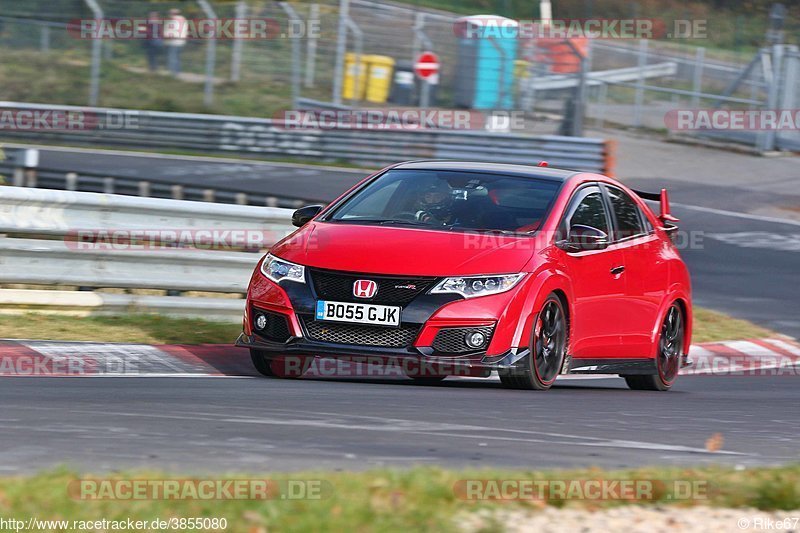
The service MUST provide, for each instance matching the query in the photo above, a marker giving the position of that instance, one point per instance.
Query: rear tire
(279, 367)
(541, 367)
(651, 382)
(668, 359)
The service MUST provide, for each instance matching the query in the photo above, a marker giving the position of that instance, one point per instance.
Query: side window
(587, 208)
(629, 220)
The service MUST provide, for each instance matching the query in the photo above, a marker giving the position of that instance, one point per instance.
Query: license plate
(382, 315)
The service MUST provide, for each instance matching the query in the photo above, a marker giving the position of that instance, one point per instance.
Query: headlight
(472, 286)
(278, 270)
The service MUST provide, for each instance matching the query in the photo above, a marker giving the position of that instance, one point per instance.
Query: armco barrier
(42, 244)
(150, 130)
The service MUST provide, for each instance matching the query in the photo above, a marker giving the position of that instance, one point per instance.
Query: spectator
(175, 33)
(152, 42)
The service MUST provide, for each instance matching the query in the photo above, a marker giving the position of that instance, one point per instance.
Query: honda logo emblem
(364, 288)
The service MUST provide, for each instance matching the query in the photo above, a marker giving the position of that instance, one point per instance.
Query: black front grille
(453, 340)
(277, 328)
(359, 334)
(338, 287)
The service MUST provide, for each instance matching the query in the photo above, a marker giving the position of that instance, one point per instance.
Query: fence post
(71, 181)
(639, 98)
(19, 177)
(359, 47)
(97, 49)
(789, 98)
(602, 99)
(294, 18)
(30, 178)
(420, 37)
(697, 81)
(236, 52)
(765, 142)
(44, 44)
(211, 55)
(341, 48)
(311, 46)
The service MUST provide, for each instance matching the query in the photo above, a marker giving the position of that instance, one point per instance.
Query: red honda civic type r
(474, 267)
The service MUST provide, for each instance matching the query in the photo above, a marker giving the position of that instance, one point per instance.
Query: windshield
(451, 200)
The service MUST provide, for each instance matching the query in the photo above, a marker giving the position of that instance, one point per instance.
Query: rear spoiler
(665, 216)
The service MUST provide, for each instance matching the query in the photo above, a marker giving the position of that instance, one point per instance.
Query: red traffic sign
(427, 65)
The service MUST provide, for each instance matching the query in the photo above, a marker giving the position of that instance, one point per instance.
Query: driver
(434, 202)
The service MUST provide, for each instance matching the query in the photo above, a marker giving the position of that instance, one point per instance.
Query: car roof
(529, 171)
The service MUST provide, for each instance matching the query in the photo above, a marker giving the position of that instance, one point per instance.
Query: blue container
(487, 48)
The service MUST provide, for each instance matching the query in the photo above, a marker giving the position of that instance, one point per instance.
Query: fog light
(476, 339)
(261, 322)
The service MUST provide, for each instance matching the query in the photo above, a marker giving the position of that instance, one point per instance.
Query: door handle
(618, 270)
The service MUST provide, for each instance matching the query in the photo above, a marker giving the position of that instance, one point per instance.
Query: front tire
(670, 348)
(280, 367)
(548, 349)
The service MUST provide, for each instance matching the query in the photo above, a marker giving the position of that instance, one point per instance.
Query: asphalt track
(236, 425)
(744, 265)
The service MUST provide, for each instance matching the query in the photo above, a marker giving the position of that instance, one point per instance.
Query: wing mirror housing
(303, 216)
(584, 238)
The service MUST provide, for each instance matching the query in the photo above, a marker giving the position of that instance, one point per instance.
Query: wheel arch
(676, 294)
(542, 286)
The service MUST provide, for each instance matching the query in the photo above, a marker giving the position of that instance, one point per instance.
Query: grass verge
(145, 329)
(709, 326)
(422, 498)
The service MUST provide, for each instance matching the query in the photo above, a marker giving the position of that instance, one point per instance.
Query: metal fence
(766, 80)
(639, 82)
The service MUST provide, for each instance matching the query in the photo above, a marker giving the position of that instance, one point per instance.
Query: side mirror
(582, 238)
(302, 216)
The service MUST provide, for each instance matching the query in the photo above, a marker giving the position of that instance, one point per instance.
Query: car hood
(401, 250)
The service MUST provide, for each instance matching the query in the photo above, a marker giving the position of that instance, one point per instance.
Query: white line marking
(738, 215)
(699, 352)
(399, 425)
(751, 349)
(783, 345)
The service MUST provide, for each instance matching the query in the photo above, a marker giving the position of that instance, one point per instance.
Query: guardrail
(91, 240)
(68, 180)
(150, 130)
(596, 78)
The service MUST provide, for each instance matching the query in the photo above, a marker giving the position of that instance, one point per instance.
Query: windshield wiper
(499, 231)
(385, 221)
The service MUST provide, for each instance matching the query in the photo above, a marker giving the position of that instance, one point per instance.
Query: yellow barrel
(379, 78)
(351, 72)
(521, 68)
